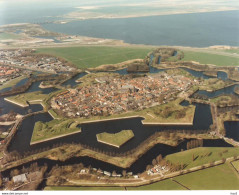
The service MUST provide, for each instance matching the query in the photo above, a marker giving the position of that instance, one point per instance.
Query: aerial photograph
(119, 95)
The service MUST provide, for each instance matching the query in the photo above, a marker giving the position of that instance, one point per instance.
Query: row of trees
(194, 143)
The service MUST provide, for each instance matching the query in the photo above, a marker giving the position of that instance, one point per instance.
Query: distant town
(25, 58)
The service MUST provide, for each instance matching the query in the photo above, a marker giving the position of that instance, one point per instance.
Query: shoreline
(45, 86)
(214, 90)
(166, 124)
(103, 142)
(103, 120)
(7, 123)
(114, 145)
(19, 104)
(49, 112)
(70, 18)
(52, 138)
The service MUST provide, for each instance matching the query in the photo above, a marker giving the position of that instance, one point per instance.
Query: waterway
(21, 141)
(20, 83)
(137, 167)
(198, 74)
(224, 91)
(202, 121)
(72, 82)
(232, 129)
(222, 75)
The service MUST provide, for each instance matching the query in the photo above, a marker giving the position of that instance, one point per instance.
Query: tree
(114, 173)
(223, 160)
(148, 167)
(154, 162)
(124, 173)
(159, 158)
(0, 180)
(14, 172)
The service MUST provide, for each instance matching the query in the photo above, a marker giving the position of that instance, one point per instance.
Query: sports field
(93, 56)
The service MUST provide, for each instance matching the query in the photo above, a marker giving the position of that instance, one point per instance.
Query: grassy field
(221, 100)
(167, 184)
(93, 56)
(213, 84)
(12, 82)
(53, 129)
(28, 97)
(116, 139)
(222, 177)
(236, 165)
(167, 113)
(82, 188)
(53, 114)
(201, 155)
(206, 58)
(232, 51)
(4, 36)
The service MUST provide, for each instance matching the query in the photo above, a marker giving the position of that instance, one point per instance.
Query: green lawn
(53, 114)
(202, 155)
(12, 82)
(82, 188)
(213, 84)
(222, 177)
(232, 51)
(221, 99)
(53, 129)
(28, 97)
(162, 185)
(206, 58)
(236, 165)
(116, 139)
(93, 56)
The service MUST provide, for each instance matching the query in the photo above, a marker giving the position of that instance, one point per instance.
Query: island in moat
(116, 139)
(162, 90)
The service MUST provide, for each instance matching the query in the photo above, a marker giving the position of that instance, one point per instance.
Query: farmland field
(208, 58)
(93, 56)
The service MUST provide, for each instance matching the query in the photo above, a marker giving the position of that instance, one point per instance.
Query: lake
(196, 30)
